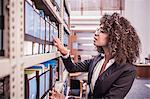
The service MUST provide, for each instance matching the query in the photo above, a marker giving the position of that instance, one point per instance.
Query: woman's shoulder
(129, 67)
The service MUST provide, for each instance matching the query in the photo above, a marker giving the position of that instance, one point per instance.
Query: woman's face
(100, 38)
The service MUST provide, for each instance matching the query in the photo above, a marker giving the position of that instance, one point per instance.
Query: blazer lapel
(106, 73)
(96, 60)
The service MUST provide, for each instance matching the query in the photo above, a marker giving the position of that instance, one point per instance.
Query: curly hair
(123, 43)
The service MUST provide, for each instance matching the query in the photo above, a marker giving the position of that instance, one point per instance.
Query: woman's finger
(55, 44)
(56, 95)
(54, 92)
(56, 39)
(52, 97)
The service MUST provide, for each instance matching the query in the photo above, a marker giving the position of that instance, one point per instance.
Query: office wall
(148, 37)
(137, 12)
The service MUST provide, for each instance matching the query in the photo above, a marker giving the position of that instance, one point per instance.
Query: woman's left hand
(56, 95)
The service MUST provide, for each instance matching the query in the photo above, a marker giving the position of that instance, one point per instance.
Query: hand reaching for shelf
(56, 95)
(60, 46)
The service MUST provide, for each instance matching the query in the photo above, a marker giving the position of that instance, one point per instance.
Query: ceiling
(86, 5)
(95, 5)
(86, 14)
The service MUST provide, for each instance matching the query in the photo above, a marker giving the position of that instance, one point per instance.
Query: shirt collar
(111, 61)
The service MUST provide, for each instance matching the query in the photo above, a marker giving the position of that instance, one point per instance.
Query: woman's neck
(107, 53)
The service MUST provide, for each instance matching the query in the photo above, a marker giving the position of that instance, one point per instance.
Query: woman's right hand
(60, 46)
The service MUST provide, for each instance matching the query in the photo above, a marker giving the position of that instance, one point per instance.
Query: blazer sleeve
(121, 86)
(76, 67)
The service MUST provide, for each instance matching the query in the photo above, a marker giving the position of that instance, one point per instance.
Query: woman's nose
(96, 34)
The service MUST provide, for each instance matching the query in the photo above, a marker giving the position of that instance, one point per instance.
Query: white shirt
(97, 69)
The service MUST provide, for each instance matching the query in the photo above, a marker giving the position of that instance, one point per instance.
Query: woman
(111, 73)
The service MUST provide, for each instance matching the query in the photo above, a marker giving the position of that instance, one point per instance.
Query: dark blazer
(114, 83)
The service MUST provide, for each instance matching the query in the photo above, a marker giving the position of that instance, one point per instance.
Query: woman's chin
(94, 43)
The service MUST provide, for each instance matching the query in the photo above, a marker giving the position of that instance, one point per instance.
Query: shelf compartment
(49, 9)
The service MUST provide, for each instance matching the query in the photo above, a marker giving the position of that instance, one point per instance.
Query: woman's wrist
(63, 51)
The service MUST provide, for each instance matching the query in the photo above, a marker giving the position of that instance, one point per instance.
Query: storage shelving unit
(14, 62)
